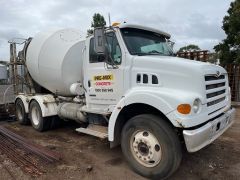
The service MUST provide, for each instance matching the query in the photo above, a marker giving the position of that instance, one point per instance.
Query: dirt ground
(86, 157)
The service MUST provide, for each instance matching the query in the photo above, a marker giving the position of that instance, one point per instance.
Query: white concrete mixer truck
(125, 84)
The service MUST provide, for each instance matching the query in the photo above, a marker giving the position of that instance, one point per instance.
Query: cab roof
(125, 25)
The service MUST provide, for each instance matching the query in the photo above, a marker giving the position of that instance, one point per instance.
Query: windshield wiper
(154, 52)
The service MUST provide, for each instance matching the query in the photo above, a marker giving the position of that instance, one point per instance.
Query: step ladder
(94, 130)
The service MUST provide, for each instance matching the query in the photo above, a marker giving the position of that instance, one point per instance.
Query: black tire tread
(172, 139)
(45, 122)
(25, 120)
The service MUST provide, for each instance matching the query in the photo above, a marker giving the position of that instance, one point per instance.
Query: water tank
(55, 59)
(3, 72)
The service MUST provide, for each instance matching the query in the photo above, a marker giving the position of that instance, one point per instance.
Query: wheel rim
(146, 148)
(19, 112)
(35, 115)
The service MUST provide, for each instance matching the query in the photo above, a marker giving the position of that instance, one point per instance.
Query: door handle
(89, 83)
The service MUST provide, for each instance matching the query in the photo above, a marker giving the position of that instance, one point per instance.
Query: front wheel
(151, 146)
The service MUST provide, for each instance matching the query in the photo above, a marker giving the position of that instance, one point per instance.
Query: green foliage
(212, 58)
(98, 21)
(229, 48)
(190, 47)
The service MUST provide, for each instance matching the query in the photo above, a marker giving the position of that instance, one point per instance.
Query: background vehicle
(125, 84)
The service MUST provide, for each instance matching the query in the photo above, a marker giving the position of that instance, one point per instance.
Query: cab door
(104, 81)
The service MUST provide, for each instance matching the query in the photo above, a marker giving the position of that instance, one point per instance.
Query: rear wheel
(39, 122)
(151, 146)
(20, 112)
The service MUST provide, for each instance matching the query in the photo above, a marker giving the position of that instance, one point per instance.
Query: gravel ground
(86, 157)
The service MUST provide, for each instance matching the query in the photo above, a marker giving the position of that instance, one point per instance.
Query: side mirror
(99, 40)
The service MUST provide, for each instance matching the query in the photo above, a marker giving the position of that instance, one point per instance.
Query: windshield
(141, 42)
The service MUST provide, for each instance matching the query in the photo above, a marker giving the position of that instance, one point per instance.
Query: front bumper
(198, 138)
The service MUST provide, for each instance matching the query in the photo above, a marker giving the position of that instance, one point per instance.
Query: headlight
(196, 105)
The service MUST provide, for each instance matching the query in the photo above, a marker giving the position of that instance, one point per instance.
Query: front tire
(20, 112)
(151, 146)
(39, 122)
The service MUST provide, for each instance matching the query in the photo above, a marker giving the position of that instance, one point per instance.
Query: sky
(188, 21)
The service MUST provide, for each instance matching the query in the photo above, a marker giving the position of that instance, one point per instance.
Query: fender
(25, 100)
(47, 103)
(165, 100)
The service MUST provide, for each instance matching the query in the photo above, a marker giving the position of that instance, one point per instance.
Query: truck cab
(141, 66)
(145, 98)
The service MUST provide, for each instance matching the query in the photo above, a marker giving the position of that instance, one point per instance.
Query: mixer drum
(55, 59)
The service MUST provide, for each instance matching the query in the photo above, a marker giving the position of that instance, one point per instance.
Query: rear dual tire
(151, 146)
(38, 122)
(35, 117)
(20, 112)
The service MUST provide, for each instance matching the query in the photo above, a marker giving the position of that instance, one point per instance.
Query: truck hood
(173, 62)
(177, 73)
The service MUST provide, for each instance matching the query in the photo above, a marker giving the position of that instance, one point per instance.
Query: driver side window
(113, 50)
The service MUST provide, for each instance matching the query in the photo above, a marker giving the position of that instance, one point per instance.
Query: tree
(98, 21)
(190, 47)
(229, 49)
(213, 58)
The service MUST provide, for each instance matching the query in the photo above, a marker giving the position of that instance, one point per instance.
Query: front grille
(212, 86)
(210, 95)
(213, 77)
(216, 101)
(215, 90)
